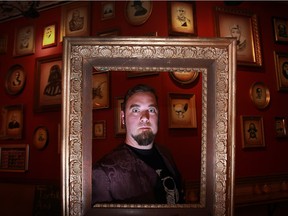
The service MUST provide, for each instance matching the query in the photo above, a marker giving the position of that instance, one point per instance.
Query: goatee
(145, 138)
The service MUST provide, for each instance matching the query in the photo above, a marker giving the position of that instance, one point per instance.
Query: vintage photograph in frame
(119, 124)
(15, 80)
(75, 19)
(3, 43)
(280, 127)
(242, 25)
(252, 131)
(40, 137)
(12, 122)
(182, 111)
(48, 83)
(281, 68)
(260, 95)
(107, 10)
(181, 18)
(14, 157)
(138, 12)
(99, 129)
(24, 43)
(101, 90)
(280, 26)
(49, 37)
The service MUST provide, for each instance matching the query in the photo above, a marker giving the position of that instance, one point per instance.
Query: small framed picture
(243, 26)
(99, 129)
(182, 111)
(182, 18)
(184, 78)
(252, 131)
(280, 127)
(131, 74)
(281, 68)
(107, 10)
(12, 122)
(49, 37)
(3, 43)
(15, 80)
(24, 43)
(280, 26)
(260, 95)
(120, 128)
(138, 12)
(40, 137)
(48, 83)
(75, 19)
(14, 157)
(101, 90)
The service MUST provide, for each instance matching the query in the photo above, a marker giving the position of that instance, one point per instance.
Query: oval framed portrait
(41, 137)
(138, 12)
(184, 77)
(260, 95)
(15, 80)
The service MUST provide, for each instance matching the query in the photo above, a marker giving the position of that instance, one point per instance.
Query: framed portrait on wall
(260, 95)
(15, 80)
(101, 90)
(138, 12)
(24, 43)
(3, 43)
(75, 19)
(49, 37)
(119, 124)
(40, 137)
(12, 122)
(107, 10)
(182, 111)
(99, 129)
(281, 68)
(252, 131)
(182, 18)
(280, 26)
(280, 127)
(243, 26)
(48, 83)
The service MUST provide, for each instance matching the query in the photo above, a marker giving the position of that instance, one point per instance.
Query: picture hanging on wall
(138, 12)
(280, 127)
(3, 43)
(49, 37)
(260, 95)
(15, 80)
(48, 83)
(243, 26)
(107, 10)
(119, 124)
(24, 43)
(75, 19)
(182, 111)
(184, 77)
(40, 137)
(281, 68)
(252, 131)
(280, 26)
(182, 18)
(101, 90)
(99, 129)
(12, 122)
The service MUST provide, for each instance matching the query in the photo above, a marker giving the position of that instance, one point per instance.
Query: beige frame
(217, 60)
(249, 49)
(281, 75)
(24, 43)
(19, 154)
(182, 111)
(260, 95)
(99, 129)
(252, 132)
(280, 37)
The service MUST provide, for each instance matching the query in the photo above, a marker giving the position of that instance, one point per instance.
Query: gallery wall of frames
(30, 80)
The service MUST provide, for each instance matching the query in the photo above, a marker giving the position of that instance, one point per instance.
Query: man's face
(141, 119)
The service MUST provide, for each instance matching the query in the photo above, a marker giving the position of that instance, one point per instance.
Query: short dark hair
(136, 89)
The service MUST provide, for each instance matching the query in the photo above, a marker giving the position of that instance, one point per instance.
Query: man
(236, 32)
(138, 171)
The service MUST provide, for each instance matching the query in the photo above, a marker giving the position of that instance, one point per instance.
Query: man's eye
(152, 110)
(135, 110)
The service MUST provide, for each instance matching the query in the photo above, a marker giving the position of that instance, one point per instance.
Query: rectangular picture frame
(14, 157)
(252, 132)
(107, 10)
(243, 26)
(75, 19)
(280, 126)
(12, 122)
(182, 110)
(3, 44)
(182, 18)
(120, 129)
(99, 129)
(49, 35)
(281, 69)
(48, 83)
(280, 27)
(101, 90)
(24, 43)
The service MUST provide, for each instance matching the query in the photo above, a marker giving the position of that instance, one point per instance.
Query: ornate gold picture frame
(260, 95)
(281, 68)
(281, 127)
(280, 26)
(15, 80)
(138, 12)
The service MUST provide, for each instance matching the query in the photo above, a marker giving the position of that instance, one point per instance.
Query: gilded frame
(229, 21)
(216, 59)
(260, 95)
(280, 27)
(281, 69)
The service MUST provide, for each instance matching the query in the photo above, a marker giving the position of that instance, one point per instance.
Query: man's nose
(144, 116)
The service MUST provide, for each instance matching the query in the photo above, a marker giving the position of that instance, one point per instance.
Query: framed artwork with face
(24, 43)
(49, 37)
(281, 68)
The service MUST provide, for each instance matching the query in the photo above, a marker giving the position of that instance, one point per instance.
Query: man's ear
(122, 117)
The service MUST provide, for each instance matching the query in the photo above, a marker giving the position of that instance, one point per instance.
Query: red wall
(44, 165)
